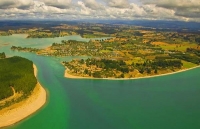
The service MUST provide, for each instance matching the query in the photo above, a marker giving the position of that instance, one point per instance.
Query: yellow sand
(16, 112)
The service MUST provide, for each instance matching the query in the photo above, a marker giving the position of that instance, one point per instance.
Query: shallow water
(167, 102)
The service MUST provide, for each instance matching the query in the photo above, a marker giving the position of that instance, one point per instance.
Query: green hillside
(16, 72)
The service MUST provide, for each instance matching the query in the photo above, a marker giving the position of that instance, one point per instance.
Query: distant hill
(158, 24)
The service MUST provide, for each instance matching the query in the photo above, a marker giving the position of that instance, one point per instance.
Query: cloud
(171, 4)
(184, 8)
(188, 12)
(83, 9)
(58, 3)
(21, 4)
(117, 3)
(93, 4)
(6, 4)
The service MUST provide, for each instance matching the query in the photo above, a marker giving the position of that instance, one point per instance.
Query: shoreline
(19, 111)
(67, 75)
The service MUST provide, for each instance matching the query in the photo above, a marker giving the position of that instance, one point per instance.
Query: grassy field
(178, 47)
(188, 64)
(135, 60)
(95, 35)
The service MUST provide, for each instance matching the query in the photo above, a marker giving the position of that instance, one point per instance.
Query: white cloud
(173, 3)
(183, 8)
(58, 3)
(22, 4)
(117, 3)
(93, 4)
(104, 9)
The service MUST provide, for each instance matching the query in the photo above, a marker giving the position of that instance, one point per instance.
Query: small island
(21, 94)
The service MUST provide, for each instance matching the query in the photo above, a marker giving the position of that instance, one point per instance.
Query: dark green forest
(17, 72)
(2, 55)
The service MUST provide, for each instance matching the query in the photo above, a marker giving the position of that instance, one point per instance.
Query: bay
(166, 102)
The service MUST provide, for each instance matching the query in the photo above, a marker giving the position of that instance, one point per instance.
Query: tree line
(108, 68)
(187, 57)
(29, 49)
(193, 50)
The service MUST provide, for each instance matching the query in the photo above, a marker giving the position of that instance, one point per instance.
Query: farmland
(140, 49)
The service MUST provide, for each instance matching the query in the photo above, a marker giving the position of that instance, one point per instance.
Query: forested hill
(18, 73)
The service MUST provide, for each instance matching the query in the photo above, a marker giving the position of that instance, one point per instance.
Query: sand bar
(67, 75)
(16, 112)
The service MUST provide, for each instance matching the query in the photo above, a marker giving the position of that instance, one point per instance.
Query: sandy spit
(17, 112)
(67, 75)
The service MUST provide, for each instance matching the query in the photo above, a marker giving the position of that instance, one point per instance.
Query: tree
(155, 71)
(86, 71)
(197, 40)
(2, 55)
(122, 75)
(141, 70)
(148, 70)
(97, 74)
(82, 61)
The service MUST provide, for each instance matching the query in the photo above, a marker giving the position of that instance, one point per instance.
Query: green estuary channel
(165, 102)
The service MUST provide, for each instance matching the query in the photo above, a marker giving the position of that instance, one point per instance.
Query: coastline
(67, 75)
(18, 111)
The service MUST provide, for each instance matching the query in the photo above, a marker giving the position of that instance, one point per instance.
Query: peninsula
(122, 51)
(22, 95)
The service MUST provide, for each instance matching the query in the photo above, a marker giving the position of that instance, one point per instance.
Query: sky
(182, 10)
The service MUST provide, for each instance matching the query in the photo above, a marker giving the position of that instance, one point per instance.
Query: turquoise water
(167, 102)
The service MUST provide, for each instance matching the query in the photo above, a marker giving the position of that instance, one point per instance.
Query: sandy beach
(16, 112)
(67, 75)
